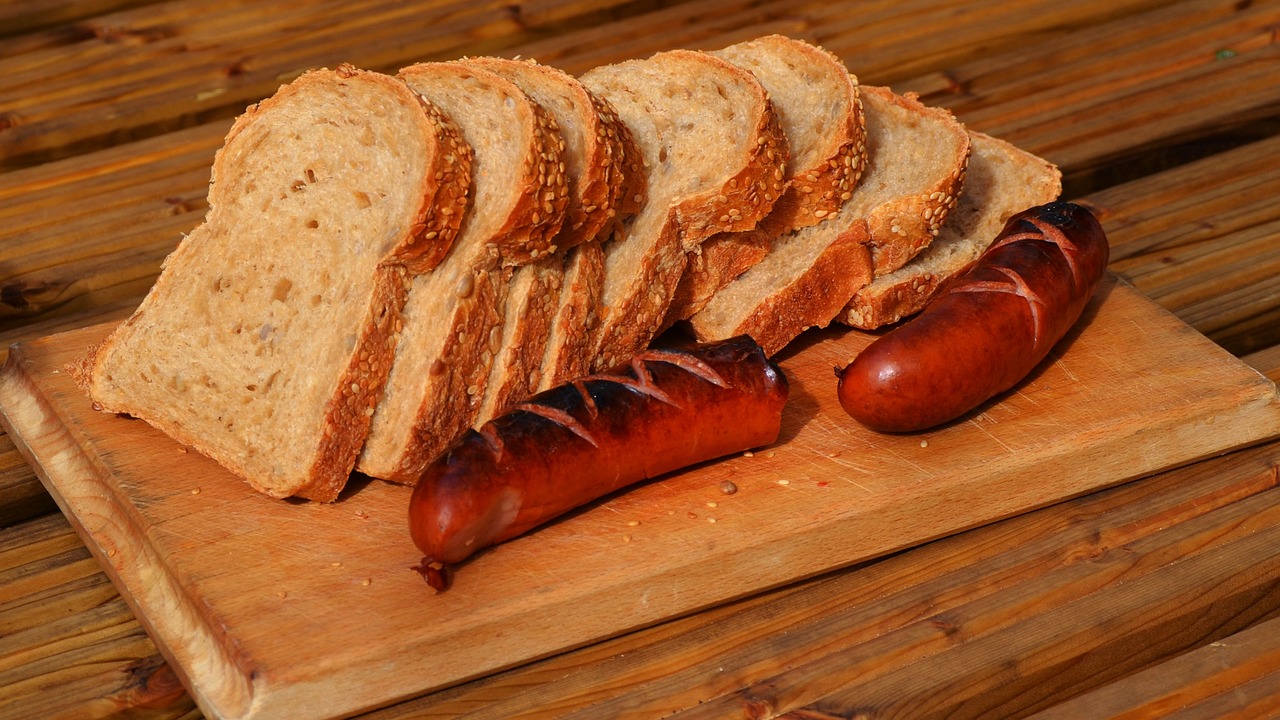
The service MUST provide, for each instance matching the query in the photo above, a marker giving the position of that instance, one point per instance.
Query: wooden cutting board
(278, 609)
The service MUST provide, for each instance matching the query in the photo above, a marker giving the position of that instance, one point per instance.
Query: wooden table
(1155, 598)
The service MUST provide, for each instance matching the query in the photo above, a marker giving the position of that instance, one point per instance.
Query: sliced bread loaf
(916, 161)
(714, 154)
(266, 340)
(452, 320)
(1001, 181)
(821, 115)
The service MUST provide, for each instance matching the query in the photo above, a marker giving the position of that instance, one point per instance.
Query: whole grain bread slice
(267, 338)
(916, 162)
(452, 321)
(1001, 181)
(532, 297)
(605, 183)
(568, 350)
(714, 156)
(820, 111)
(915, 172)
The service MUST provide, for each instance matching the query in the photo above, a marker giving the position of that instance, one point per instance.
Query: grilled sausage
(986, 330)
(576, 442)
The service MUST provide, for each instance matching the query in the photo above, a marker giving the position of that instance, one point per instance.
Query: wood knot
(153, 685)
(19, 294)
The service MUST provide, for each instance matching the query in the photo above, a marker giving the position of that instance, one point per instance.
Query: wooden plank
(163, 176)
(884, 617)
(24, 16)
(1161, 42)
(69, 646)
(1111, 78)
(209, 61)
(1201, 241)
(166, 523)
(1237, 676)
(21, 495)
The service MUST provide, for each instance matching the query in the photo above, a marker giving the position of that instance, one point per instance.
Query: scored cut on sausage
(579, 441)
(987, 330)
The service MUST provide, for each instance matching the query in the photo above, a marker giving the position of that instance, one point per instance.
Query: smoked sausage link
(987, 329)
(576, 442)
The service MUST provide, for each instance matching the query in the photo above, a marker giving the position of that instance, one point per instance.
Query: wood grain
(1089, 60)
(1235, 677)
(945, 609)
(64, 626)
(172, 528)
(1200, 240)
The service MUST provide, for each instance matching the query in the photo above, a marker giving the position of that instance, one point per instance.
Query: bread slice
(916, 162)
(601, 164)
(714, 155)
(568, 350)
(452, 320)
(1001, 181)
(820, 109)
(605, 183)
(532, 297)
(821, 115)
(266, 340)
(923, 153)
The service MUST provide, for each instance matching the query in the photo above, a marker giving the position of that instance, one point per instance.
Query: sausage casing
(576, 442)
(987, 329)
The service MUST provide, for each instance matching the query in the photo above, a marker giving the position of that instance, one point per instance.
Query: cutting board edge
(269, 699)
(217, 683)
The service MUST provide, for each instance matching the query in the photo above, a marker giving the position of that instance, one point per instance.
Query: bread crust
(712, 266)
(906, 291)
(528, 231)
(816, 192)
(607, 185)
(810, 195)
(568, 352)
(612, 173)
(904, 226)
(345, 415)
(747, 197)
(457, 378)
(812, 300)
(736, 204)
(534, 294)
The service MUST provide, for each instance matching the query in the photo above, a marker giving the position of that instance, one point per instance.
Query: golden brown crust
(568, 349)
(445, 197)
(635, 321)
(530, 308)
(345, 421)
(1001, 180)
(532, 227)
(873, 308)
(810, 195)
(903, 227)
(749, 195)
(817, 192)
(712, 266)
(351, 407)
(529, 229)
(592, 196)
(811, 301)
(454, 390)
